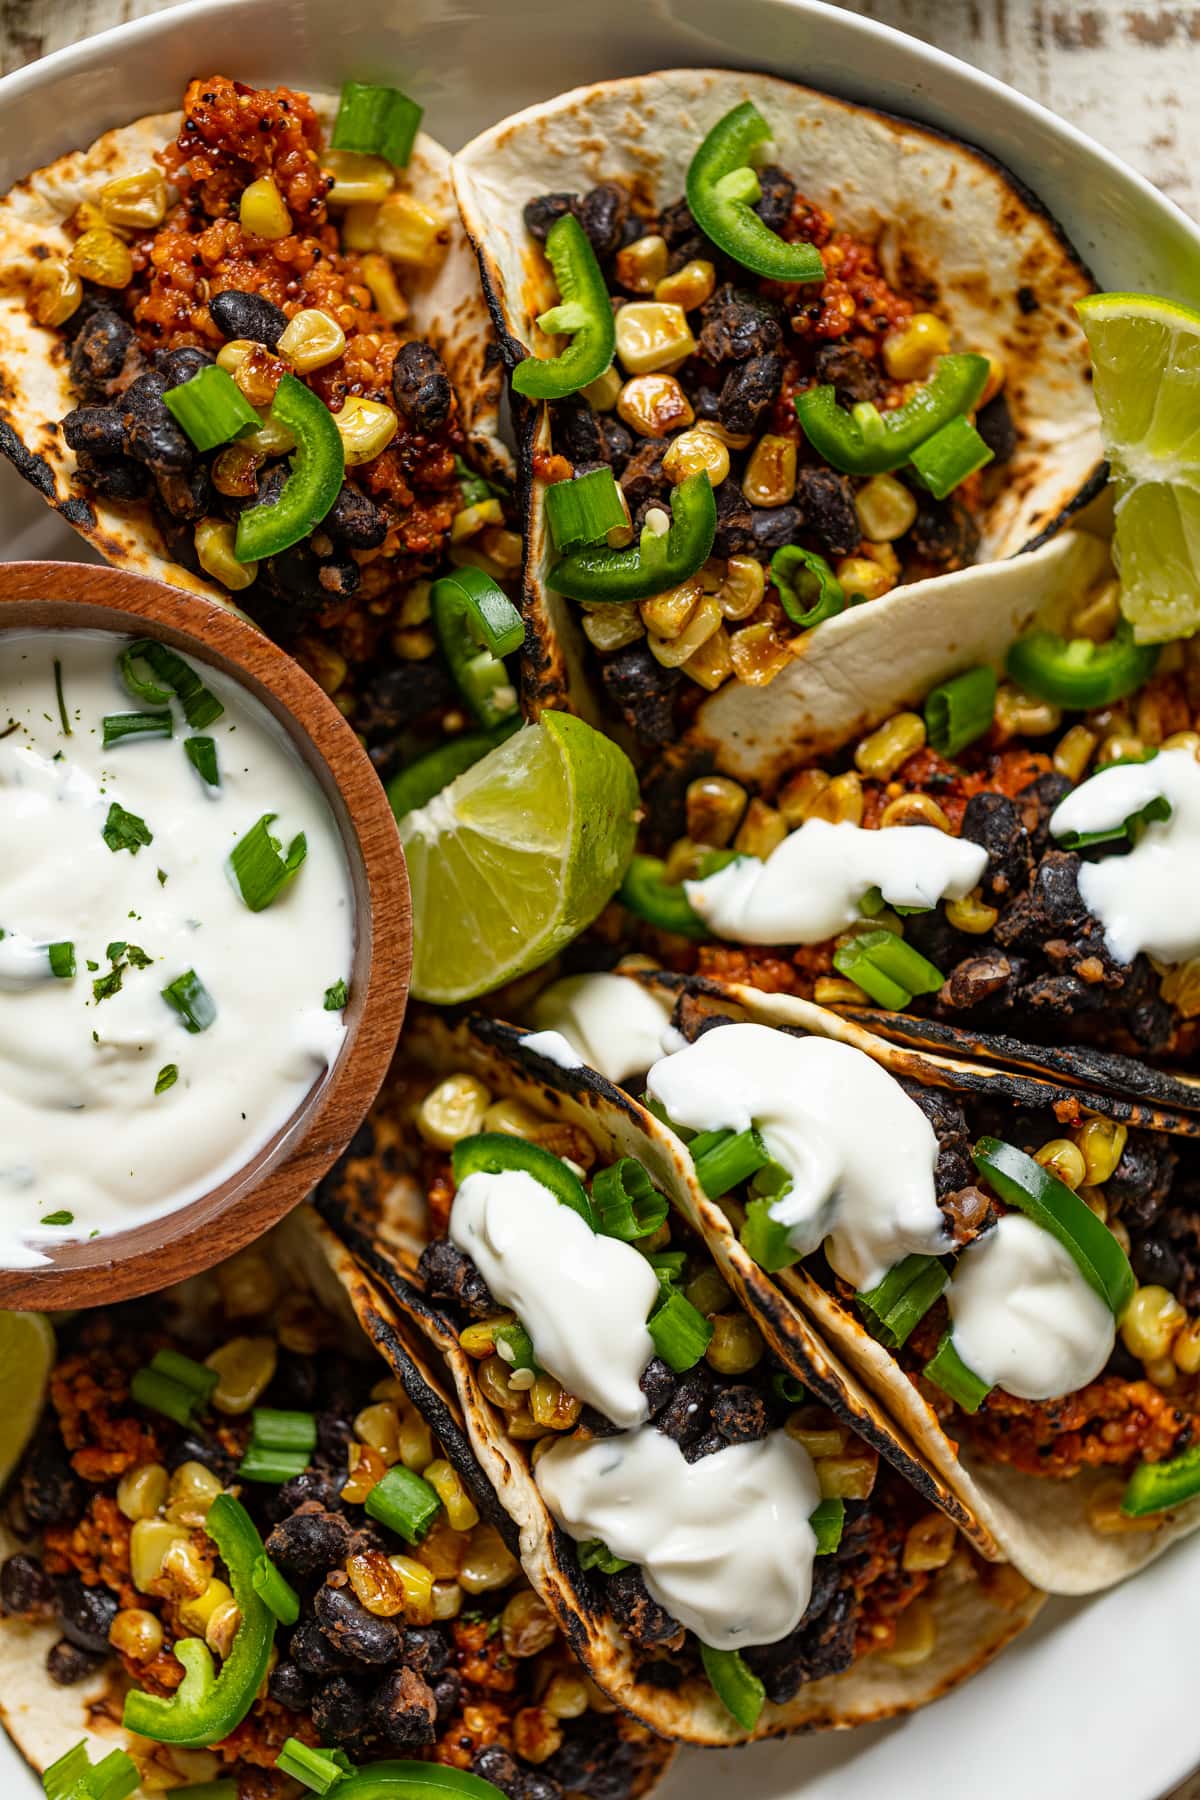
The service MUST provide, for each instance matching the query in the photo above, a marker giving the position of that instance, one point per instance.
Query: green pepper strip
(207, 1706)
(415, 1781)
(1078, 673)
(495, 1152)
(809, 591)
(477, 624)
(1153, 1487)
(420, 780)
(584, 310)
(660, 560)
(1025, 1184)
(721, 191)
(660, 902)
(735, 1684)
(865, 441)
(318, 468)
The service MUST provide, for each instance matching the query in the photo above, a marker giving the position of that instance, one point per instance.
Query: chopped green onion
(724, 1159)
(160, 1394)
(887, 968)
(125, 831)
(273, 1467)
(119, 726)
(75, 1777)
(828, 1521)
(318, 1770)
(515, 1346)
(191, 1000)
(376, 121)
(585, 510)
(1022, 1182)
(274, 1591)
(669, 1266)
(166, 1078)
(58, 1218)
(960, 710)
(786, 1388)
(738, 1689)
(62, 960)
(259, 869)
(200, 705)
(765, 1240)
(594, 1553)
(898, 1303)
(194, 1376)
(201, 752)
(272, 1429)
(336, 997)
(809, 591)
(404, 1503)
(58, 694)
(947, 1370)
(680, 1332)
(949, 456)
(1156, 811)
(211, 408)
(626, 1202)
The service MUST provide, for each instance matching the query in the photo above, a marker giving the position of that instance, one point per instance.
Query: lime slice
(26, 1358)
(1146, 357)
(514, 858)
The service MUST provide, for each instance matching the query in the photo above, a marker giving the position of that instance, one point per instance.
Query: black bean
(447, 1692)
(289, 1686)
(154, 437)
(187, 494)
(979, 978)
(994, 423)
(178, 366)
(736, 325)
(593, 1759)
(86, 1613)
(540, 214)
(773, 526)
(739, 1414)
(426, 1649)
(403, 1710)
(499, 1766)
(944, 533)
(98, 353)
(642, 691)
(354, 1632)
(774, 206)
(577, 434)
(748, 390)
(853, 377)
(678, 227)
(658, 1383)
(421, 387)
(634, 1609)
(618, 440)
(312, 581)
(826, 504)
(1138, 1187)
(25, 1587)
(309, 1543)
(95, 430)
(66, 1663)
(196, 1447)
(339, 1711)
(450, 1276)
(311, 1650)
(1155, 1263)
(112, 477)
(643, 479)
(355, 521)
(994, 822)
(537, 1785)
(240, 315)
(602, 213)
(401, 696)
(688, 1415)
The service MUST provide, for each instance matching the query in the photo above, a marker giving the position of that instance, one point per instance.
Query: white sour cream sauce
(1024, 1317)
(812, 884)
(614, 1024)
(861, 1154)
(584, 1299)
(82, 1130)
(553, 1046)
(725, 1543)
(1148, 899)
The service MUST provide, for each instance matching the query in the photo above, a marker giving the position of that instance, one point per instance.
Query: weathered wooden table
(1128, 74)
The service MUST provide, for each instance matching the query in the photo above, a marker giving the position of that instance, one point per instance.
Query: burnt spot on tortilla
(32, 468)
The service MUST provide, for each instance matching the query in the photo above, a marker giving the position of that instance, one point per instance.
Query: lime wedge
(26, 1358)
(514, 858)
(1146, 357)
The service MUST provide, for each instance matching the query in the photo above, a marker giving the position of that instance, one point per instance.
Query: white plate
(1098, 1699)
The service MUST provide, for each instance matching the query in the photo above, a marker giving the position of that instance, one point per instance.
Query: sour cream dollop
(613, 1023)
(1024, 1318)
(724, 1544)
(812, 885)
(583, 1298)
(1149, 898)
(861, 1154)
(111, 1111)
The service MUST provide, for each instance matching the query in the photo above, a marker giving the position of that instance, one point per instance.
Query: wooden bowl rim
(157, 1253)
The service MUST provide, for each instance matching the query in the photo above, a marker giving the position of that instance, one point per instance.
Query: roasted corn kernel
(235, 471)
(379, 1426)
(142, 1490)
(911, 349)
(640, 266)
(689, 286)
(488, 1563)
(411, 233)
(916, 1636)
(192, 1491)
(386, 295)
(673, 651)
(758, 654)
(527, 1625)
(741, 591)
(452, 1110)
(195, 1613)
(796, 797)
(54, 292)
(603, 393)
(712, 663)
(1122, 746)
(186, 1571)
(550, 1404)
(479, 1339)
(714, 805)
(841, 799)
(1150, 1322)
(1102, 1144)
(311, 339)
(1019, 715)
(833, 990)
(537, 1734)
(817, 1431)
(442, 1550)
(1098, 616)
(885, 507)
(358, 227)
(667, 613)
(762, 830)
(914, 809)
(848, 1477)
(415, 1582)
(136, 1633)
(223, 1628)
(495, 1378)
(366, 1468)
(652, 336)
(1063, 1159)
(566, 1696)
(613, 625)
(366, 428)
(357, 179)
(653, 405)
(245, 1367)
(446, 1600)
(470, 520)
(736, 1345)
(1073, 752)
(693, 451)
(214, 540)
(262, 212)
(376, 1584)
(971, 914)
(929, 1544)
(461, 1511)
(101, 256)
(881, 754)
(149, 1541)
(1185, 1348)
(137, 201)
(862, 576)
(770, 477)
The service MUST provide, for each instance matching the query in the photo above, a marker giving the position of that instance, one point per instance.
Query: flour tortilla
(948, 223)
(388, 1238)
(35, 388)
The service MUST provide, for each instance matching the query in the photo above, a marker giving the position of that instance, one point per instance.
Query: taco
(387, 1647)
(760, 1570)
(232, 230)
(1009, 1266)
(809, 338)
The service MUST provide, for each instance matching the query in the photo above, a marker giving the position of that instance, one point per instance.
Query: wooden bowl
(143, 1257)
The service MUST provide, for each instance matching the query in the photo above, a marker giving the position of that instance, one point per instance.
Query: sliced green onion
(63, 718)
(201, 752)
(724, 1159)
(58, 1218)
(376, 121)
(626, 1202)
(828, 1521)
(786, 1388)
(681, 1333)
(738, 1689)
(895, 1305)
(765, 1240)
(1050, 1203)
(272, 1429)
(947, 1370)
(336, 997)
(404, 1503)
(191, 1000)
(669, 1266)
(194, 1376)
(162, 1395)
(515, 1346)
(318, 1770)
(119, 726)
(211, 408)
(166, 1078)
(1153, 1487)
(585, 510)
(809, 591)
(960, 710)
(62, 960)
(887, 968)
(594, 1553)
(259, 868)
(275, 1591)
(949, 456)
(495, 1152)
(171, 675)
(272, 1467)
(125, 831)
(1156, 811)
(75, 1777)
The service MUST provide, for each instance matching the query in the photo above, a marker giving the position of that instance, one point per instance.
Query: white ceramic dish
(1097, 1699)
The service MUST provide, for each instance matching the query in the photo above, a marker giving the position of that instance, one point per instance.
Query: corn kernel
(1063, 1159)
(1185, 1348)
(848, 1477)
(995, 379)
(416, 1441)
(245, 1367)
(1105, 1514)
(257, 374)
(262, 212)
(326, 665)
(550, 1404)
(1183, 740)
(416, 1588)
(882, 753)
(640, 266)
(142, 1490)
(101, 256)
(1180, 987)
(603, 393)
(503, 548)
(195, 1613)
(971, 914)
(762, 830)
(379, 1426)
(376, 1584)
(689, 286)
(714, 805)
(1150, 1322)
(914, 809)
(523, 1427)
(357, 179)
(366, 428)
(1102, 1144)
(929, 1544)
(736, 1345)
(495, 1379)
(1073, 752)
(758, 655)
(712, 663)
(613, 625)
(1019, 715)
(411, 233)
(770, 477)
(1117, 1227)
(479, 1339)
(527, 1625)
(149, 1541)
(796, 797)
(911, 349)
(223, 1628)
(461, 1511)
(54, 293)
(366, 1468)
(1120, 747)
(885, 507)
(136, 1633)
(683, 861)
(192, 1491)
(488, 1564)
(271, 438)
(667, 613)
(414, 646)
(1098, 616)
(653, 405)
(442, 1550)
(832, 990)
(138, 201)
(816, 1431)
(311, 339)
(358, 227)
(693, 451)
(916, 1636)
(185, 1573)
(537, 1734)
(471, 519)
(864, 578)
(384, 289)
(652, 336)
(704, 621)
(454, 1109)
(741, 592)
(214, 540)
(1162, 1372)
(566, 1697)
(841, 799)
(446, 1600)
(300, 1325)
